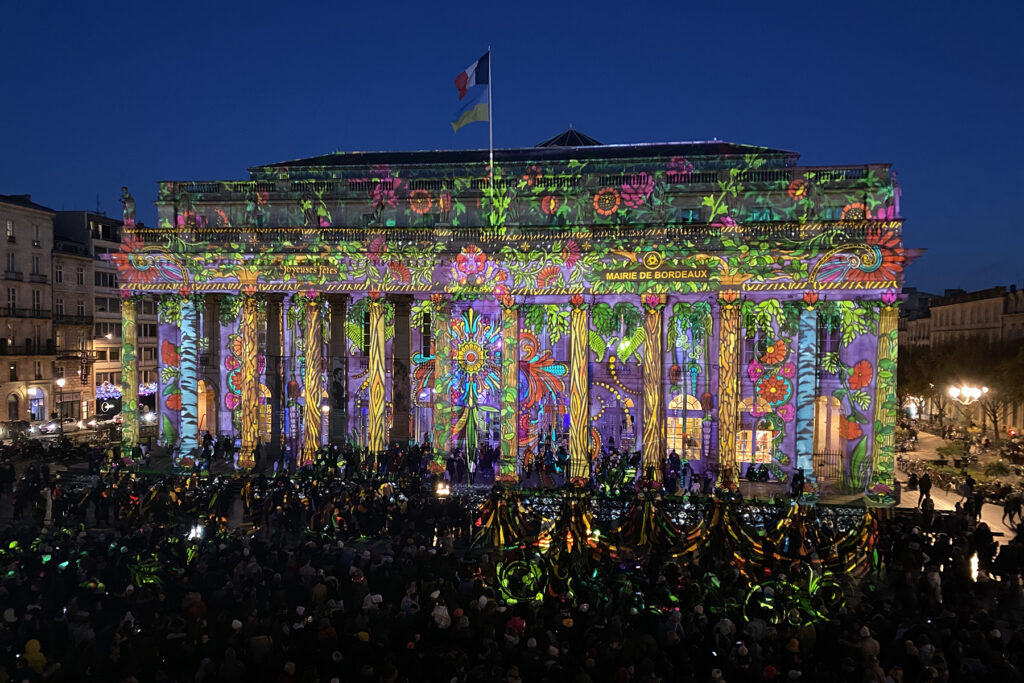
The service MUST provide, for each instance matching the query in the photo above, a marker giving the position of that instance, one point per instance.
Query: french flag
(476, 74)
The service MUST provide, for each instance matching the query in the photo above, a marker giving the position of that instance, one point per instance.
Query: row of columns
(314, 341)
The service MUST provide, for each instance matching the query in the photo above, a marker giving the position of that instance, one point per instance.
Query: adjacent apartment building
(101, 236)
(27, 344)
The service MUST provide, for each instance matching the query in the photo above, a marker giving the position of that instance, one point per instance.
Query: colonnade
(318, 338)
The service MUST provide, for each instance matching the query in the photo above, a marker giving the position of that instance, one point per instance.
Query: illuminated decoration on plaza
(711, 298)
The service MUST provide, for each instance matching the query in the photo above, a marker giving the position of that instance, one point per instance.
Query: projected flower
(532, 176)
(169, 354)
(775, 352)
(549, 204)
(848, 429)
(375, 250)
(755, 370)
(774, 389)
(855, 212)
(471, 261)
(477, 364)
(799, 188)
(861, 375)
(678, 169)
(420, 201)
(547, 276)
(606, 201)
(570, 253)
(635, 192)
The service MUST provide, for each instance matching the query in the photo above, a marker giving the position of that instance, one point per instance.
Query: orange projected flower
(776, 352)
(848, 429)
(861, 375)
(855, 212)
(420, 201)
(799, 188)
(549, 204)
(607, 201)
(547, 276)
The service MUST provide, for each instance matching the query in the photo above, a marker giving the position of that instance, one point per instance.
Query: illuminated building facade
(711, 298)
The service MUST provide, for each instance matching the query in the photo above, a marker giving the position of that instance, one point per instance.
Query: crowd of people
(314, 578)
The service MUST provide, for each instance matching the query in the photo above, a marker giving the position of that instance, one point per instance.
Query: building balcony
(45, 349)
(64, 319)
(12, 275)
(76, 354)
(37, 277)
(15, 312)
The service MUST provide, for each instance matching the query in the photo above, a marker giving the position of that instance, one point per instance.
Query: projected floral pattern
(753, 229)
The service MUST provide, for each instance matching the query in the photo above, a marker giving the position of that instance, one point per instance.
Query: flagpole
(490, 127)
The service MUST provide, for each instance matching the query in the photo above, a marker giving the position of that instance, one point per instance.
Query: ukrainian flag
(474, 107)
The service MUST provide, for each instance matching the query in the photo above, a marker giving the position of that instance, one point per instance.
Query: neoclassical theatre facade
(715, 299)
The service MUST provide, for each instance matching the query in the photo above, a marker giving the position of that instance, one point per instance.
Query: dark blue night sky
(96, 95)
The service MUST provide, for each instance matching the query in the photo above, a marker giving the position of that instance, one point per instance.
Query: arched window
(754, 443)
(684, 432)
(827, 413)
(13, 407)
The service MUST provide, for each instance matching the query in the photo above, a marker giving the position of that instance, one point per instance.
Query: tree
(997, 366)
(925, 373)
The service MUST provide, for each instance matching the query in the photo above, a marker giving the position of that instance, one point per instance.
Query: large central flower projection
(476, 346)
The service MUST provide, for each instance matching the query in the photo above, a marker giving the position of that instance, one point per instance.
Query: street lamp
(966, 394)
(60, 403)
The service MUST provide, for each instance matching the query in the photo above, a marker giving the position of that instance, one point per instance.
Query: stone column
(579, 389)
(129, 379)
(509, 386)
(189, 374)
(378, 420)
(275, 371)
(401, 401)
(441, 412)
(250, 405)
(886, 405)
(313, 380)
(338, 381)
(211, 330)
(806, 385)
(728, 386)
(654, 441)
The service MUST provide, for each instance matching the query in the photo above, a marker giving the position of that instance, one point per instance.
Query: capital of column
(578, 302)
(728, 298)
(440, 303)
(654, 302)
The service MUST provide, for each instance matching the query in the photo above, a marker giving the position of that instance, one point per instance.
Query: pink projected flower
(786, 412)
(678, 169)
(635, 192)
(788, 371)
(570, 253)
(376, 249)
(755, 371)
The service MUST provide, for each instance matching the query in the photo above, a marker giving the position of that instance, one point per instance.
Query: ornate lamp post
(60, 403)
(967, 395)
